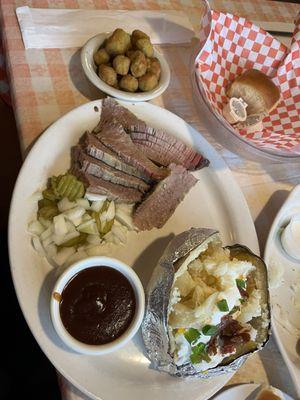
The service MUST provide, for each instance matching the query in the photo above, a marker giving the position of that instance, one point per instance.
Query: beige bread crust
(257, 90)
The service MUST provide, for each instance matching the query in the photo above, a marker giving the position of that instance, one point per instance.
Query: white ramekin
(127, 335)
(89, 67)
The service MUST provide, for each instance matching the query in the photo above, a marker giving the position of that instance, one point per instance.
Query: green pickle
(49, 195)
(47, 209)
(103, 228)
(76, 241)
(65, 186)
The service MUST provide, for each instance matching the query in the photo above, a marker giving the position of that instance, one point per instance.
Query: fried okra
(148, 82)
(107, 74)
(121, 64)
(101, 57)
(138, 66)
(129, 83)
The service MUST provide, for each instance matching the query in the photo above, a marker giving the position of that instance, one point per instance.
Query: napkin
(61, 28)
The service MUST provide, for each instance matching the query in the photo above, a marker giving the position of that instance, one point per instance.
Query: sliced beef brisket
(159, 205)
(114, 192)
(165, 149)
(92, 166)
(113, 113)
(156, 144)
(95, 148)
(116, 139)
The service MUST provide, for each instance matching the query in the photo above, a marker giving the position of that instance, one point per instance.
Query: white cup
(290, 237)
(74, 269)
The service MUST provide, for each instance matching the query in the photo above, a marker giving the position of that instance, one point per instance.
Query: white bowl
(135, 323)
(90, 69)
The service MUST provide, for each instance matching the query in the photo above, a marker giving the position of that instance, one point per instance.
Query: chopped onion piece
(120, 232)
(37, 245)
(126, 208)
(110, 237)
(45, 222)
(60, 239)
(60, 226)
(111, 211)
(36, 228)
(70, 226)
(86, 217)
(63, 255)
(48, 232)
(77, 221)
(97, 205)
(74, 214)
(47, 241)
(65, 204)
(94, 196)
(124, 219)
(51, 250)
(83, 203)
(36, 196)
(89, 227)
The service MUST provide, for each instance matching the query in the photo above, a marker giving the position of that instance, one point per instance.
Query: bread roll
(257, 90)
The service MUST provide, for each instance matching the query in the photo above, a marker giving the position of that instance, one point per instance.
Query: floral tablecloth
(44, 84)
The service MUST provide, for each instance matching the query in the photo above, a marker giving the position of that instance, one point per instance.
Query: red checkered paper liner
(231, 45)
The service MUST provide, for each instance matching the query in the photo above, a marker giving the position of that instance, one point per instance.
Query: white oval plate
(286, 318)
(215, 202)
(242, 392)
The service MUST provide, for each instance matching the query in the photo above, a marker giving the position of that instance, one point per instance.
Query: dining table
(44, 84)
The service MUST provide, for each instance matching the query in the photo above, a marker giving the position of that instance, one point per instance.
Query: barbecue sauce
(97, 305)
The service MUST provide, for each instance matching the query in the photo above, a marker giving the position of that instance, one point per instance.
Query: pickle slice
(47, 209)
(48, 212)
(75, 242)
(49, 195)
(103, 227)
(67, 186)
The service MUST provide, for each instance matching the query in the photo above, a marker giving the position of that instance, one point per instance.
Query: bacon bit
(231, 335)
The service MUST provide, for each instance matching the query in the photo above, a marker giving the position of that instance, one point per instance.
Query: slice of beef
(92, 166)
(116, 139)
(118, 193)
(164, 148)
(156, 144)
(94, 148)
(159, 205)
(113, 113)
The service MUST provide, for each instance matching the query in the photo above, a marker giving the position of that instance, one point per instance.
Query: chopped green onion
(197, 358)
(241, 284)
(192, 334)
(242, 300)
(205, 357)
(234, 309)
(222, 305)
(199, 348)
(209, 330)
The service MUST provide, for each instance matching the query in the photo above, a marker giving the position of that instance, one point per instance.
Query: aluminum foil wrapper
(154, 327)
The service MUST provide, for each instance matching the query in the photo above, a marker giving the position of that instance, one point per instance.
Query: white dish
(74, 269)
(286, 318)
(89, 68)
(216, 202)
(241, 392)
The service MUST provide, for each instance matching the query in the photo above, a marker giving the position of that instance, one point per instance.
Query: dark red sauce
(97, 305)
